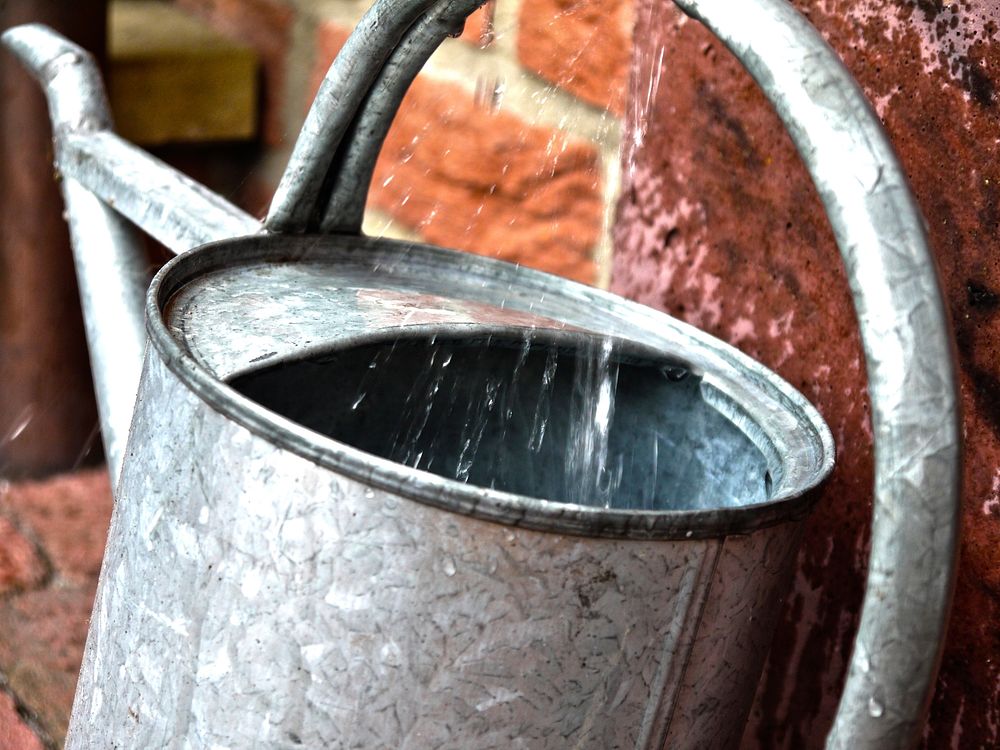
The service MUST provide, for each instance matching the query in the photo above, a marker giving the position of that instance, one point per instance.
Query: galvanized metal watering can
(278, 574)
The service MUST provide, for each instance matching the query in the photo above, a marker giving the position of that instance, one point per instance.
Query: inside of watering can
(572, 420)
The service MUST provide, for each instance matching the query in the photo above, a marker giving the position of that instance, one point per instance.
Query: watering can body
(265, 586)
(272, 581)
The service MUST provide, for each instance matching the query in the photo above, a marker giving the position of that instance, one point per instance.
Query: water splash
(526, 414)
(21, 423)
(475, 425)
(590, 477)
(543, 404)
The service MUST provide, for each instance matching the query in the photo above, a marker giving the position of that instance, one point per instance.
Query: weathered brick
(479, 26)
(69, 515)
(265, 25)
(42, 636)
(15, 734)
(582, 46)
(720, 225)
(466, 177)
(43, 631)
(21, 567)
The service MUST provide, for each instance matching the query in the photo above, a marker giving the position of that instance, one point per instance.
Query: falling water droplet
(675, 374)
(21, 424)
(543, 404)
(489, 93)
(875, 707)
(864, 663)
(448, 566)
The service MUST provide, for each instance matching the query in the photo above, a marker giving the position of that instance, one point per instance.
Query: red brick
(582, 46)
(43, 632)
(42, 636)
(15, 734)
(720, 225)
(265, 25)
(70, 516)
(465, 177)
(479, 26)
(21, 567)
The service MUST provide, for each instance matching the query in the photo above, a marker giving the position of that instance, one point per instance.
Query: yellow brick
(173, 79)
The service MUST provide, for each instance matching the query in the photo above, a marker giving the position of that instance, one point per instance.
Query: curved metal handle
(880, 233)
(305, 185)
(909, 357)
(344, 210)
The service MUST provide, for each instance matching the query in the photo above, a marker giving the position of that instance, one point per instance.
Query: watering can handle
(909, 355)
(325, 185)
(881, 236)
(385, 35)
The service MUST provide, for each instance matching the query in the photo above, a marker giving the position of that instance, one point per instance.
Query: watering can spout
(99, 171)
(107, 250)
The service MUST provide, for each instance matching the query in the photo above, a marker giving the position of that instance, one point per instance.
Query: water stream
(589, 476)
(569, 418)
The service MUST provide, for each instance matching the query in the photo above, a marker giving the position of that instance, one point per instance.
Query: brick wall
(507, 144)
(720, 226)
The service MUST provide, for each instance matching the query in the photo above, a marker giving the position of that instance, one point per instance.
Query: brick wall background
(720, 225)
(506, 145)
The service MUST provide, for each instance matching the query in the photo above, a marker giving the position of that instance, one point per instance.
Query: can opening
(504, 412)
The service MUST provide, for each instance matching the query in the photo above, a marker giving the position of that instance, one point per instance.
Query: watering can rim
(511, 509)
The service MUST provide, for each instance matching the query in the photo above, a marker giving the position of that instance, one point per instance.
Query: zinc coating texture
(252, 598)
(265, 586)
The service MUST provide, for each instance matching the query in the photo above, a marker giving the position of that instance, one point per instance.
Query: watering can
(289, 566)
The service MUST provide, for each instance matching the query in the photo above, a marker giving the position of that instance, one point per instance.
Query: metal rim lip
(431, 489)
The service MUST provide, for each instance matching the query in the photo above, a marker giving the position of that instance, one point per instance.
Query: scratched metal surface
(734, 637)
(250, 598)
